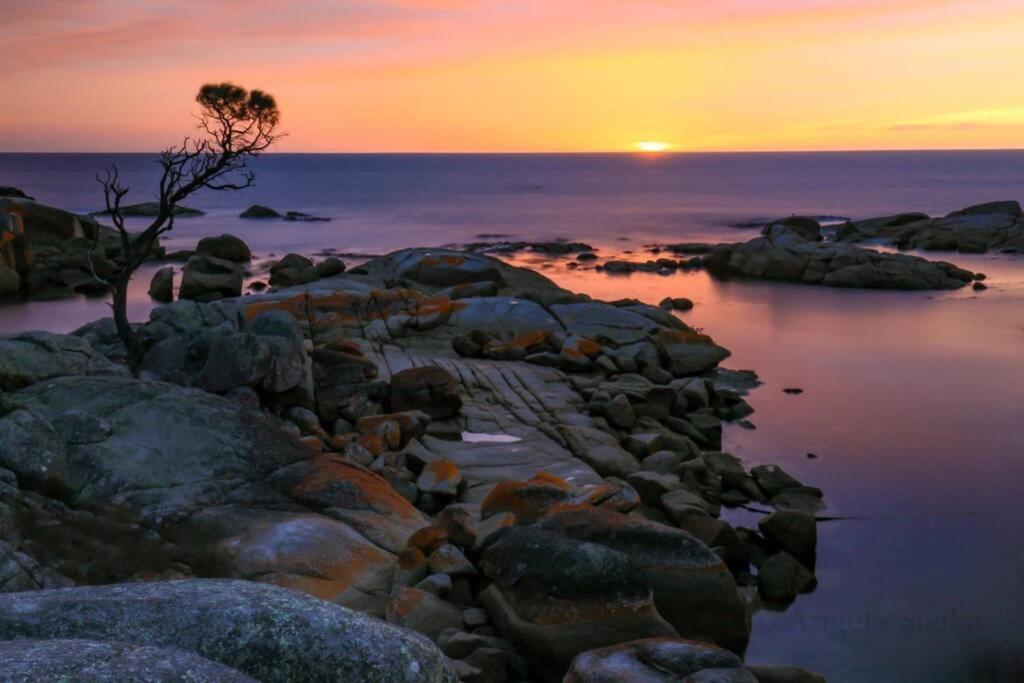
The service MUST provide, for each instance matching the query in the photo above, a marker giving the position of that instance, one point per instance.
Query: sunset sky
(522, 75)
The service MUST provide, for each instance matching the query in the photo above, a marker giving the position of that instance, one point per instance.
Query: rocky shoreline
(524, 483)
(434, 466)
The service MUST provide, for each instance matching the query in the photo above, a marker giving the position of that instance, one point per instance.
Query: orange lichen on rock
(527, 500)
(442, 470)
(428, 539)
(684, 337)
(528, 340)
(411, 558)
(331, 481)
(543, 477)
(296, 305)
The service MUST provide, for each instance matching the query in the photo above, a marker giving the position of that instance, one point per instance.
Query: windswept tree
(235, 126)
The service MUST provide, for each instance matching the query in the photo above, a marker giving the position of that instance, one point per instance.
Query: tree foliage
(235, 125)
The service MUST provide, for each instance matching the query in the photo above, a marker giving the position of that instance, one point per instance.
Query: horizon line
(677, 152)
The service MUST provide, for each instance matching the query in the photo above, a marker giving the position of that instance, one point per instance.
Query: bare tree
(235, 126)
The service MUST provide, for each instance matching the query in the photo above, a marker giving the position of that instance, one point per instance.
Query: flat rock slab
(536, 406)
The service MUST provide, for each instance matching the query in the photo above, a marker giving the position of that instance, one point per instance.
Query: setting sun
(653, 146)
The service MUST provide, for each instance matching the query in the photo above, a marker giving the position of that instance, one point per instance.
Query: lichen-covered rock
(555, 597)
(528, 500)
(651, 660)
(422, 612)
(65, 660)
(269, 633)
(265, 507)
(429, 389)
(603, 323)
(692, 588)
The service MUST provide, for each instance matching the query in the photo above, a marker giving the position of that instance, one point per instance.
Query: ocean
(913, 402)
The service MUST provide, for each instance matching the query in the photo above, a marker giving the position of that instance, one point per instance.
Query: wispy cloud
(973, 120)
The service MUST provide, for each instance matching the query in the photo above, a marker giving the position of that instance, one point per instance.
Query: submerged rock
(269, 633)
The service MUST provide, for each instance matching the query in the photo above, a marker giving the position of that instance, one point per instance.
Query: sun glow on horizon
(652, 146)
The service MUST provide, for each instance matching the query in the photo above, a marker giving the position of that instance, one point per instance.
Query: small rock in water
(812, 456)
(679, 303)
(793, 390)
(978, 286)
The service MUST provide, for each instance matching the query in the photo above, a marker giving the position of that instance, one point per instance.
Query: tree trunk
(131, 341)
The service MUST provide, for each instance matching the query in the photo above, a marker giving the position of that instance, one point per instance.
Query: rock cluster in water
(997, 226)
(529, 479)
(792, 250)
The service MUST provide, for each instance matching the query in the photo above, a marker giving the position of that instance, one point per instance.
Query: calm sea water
(914, 402)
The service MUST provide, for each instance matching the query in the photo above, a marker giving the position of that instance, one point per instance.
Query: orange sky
(522, 75)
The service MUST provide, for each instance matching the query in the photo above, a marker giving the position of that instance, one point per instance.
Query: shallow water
(913, 402)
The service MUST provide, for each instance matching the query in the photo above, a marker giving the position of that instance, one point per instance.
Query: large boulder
(604, 323)
(211, 485)
(441, 268)
(269, 633)
(161, 287)
(693, 589)
(807, 228)
(555, 597)
(30, 357)
(69, 659)
(45, 225)
(292, 269)
(227, 247)
(207, 278)
(1009, 208)
(686, 352)
(651, 660)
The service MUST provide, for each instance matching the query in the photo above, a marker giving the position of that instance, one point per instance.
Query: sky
(521, 75)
